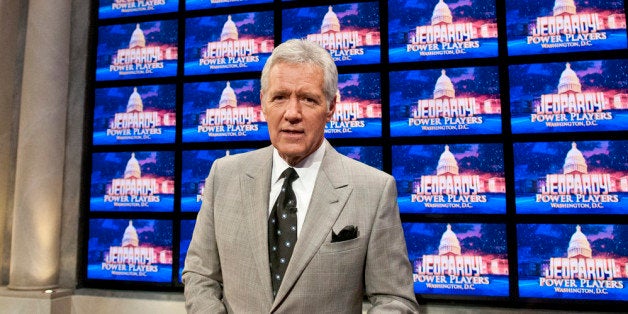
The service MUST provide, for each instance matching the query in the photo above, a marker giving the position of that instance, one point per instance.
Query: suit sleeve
(388, 272)
(202, 276)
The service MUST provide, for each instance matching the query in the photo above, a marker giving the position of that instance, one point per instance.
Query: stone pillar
(36, 228)
(12, 17)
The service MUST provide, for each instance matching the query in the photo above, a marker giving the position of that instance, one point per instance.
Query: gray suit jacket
(227, 268)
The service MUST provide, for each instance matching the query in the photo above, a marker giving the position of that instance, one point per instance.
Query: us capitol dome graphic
(445, 92)
(567, 9)
(569, 81)
(140, 54)
(570, 92)
(134, 190)
(562, 7)
(574, 161)
(441, 14)
(133, 170)
(135, 103)
(228, 98)
(447, 164)
(575, 184)
(130, 237)
(137, 38)
(231, 45)
(442, 27)
(449, 244)
(449, 181)
(331, 37)
(140, 260)
(229, 30)
(330, 22)
(444, 88)
(579, 246)
(134, 117)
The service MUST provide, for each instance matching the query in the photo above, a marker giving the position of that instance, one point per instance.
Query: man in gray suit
(350, 242)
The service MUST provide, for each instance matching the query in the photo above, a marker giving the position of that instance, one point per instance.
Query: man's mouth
(292, 131)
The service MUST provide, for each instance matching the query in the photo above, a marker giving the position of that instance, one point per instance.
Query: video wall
(503, 122)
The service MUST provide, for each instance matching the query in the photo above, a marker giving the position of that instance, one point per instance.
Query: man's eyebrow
(277, 91)
(282, 88)
(309, 95)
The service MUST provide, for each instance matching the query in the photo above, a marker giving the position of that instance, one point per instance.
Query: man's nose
(293, 110)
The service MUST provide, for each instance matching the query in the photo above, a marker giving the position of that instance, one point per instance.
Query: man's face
(296, 110)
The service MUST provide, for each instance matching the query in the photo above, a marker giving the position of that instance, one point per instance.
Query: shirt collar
(313, 160)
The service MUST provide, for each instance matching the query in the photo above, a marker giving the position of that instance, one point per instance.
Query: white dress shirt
(303, 186)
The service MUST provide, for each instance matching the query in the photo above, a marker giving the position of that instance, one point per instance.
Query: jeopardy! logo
(343, 45)
(135, 189)
(349, 115)
(451, 189)
(136, 123)
(231, 51)
(140, 58)
(445, 111)
(133, 259)
(573, 107)
(580, 272)
(128, 6)
(568, 28)
(229, 119)
(450, 269)
(576, 187)
(444, 36)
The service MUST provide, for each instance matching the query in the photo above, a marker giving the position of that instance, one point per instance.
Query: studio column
(36, 228)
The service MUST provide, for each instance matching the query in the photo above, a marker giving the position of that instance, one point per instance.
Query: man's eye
(309, 100)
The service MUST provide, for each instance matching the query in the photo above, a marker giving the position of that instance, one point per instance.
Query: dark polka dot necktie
(282, 229)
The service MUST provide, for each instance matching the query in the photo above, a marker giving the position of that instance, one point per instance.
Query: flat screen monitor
(450, 178)
(238, 42)
(137, 50)
(137, 181)
(573, 261)
(358, 107)
(420, 30)
(125, 8)
(458, 259)
(195, 167)
(370, 155)
(350, 31)
(571, 177)
(223, 111)
(573, 96)
(548, 26)
(130, 250)
(135, 115)
(213, 4)
(187, 228)
(452, 101)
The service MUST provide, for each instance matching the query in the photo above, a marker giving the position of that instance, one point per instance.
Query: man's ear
(261, 100)
(332, 109)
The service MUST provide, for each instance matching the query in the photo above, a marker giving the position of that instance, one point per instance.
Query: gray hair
(302, 51)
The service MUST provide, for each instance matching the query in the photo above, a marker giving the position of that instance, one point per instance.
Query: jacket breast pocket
(337, 247)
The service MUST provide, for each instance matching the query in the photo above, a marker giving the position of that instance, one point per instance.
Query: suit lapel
(329, 196)
(255, 186)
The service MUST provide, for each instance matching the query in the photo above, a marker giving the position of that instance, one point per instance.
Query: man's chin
(291, 154)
